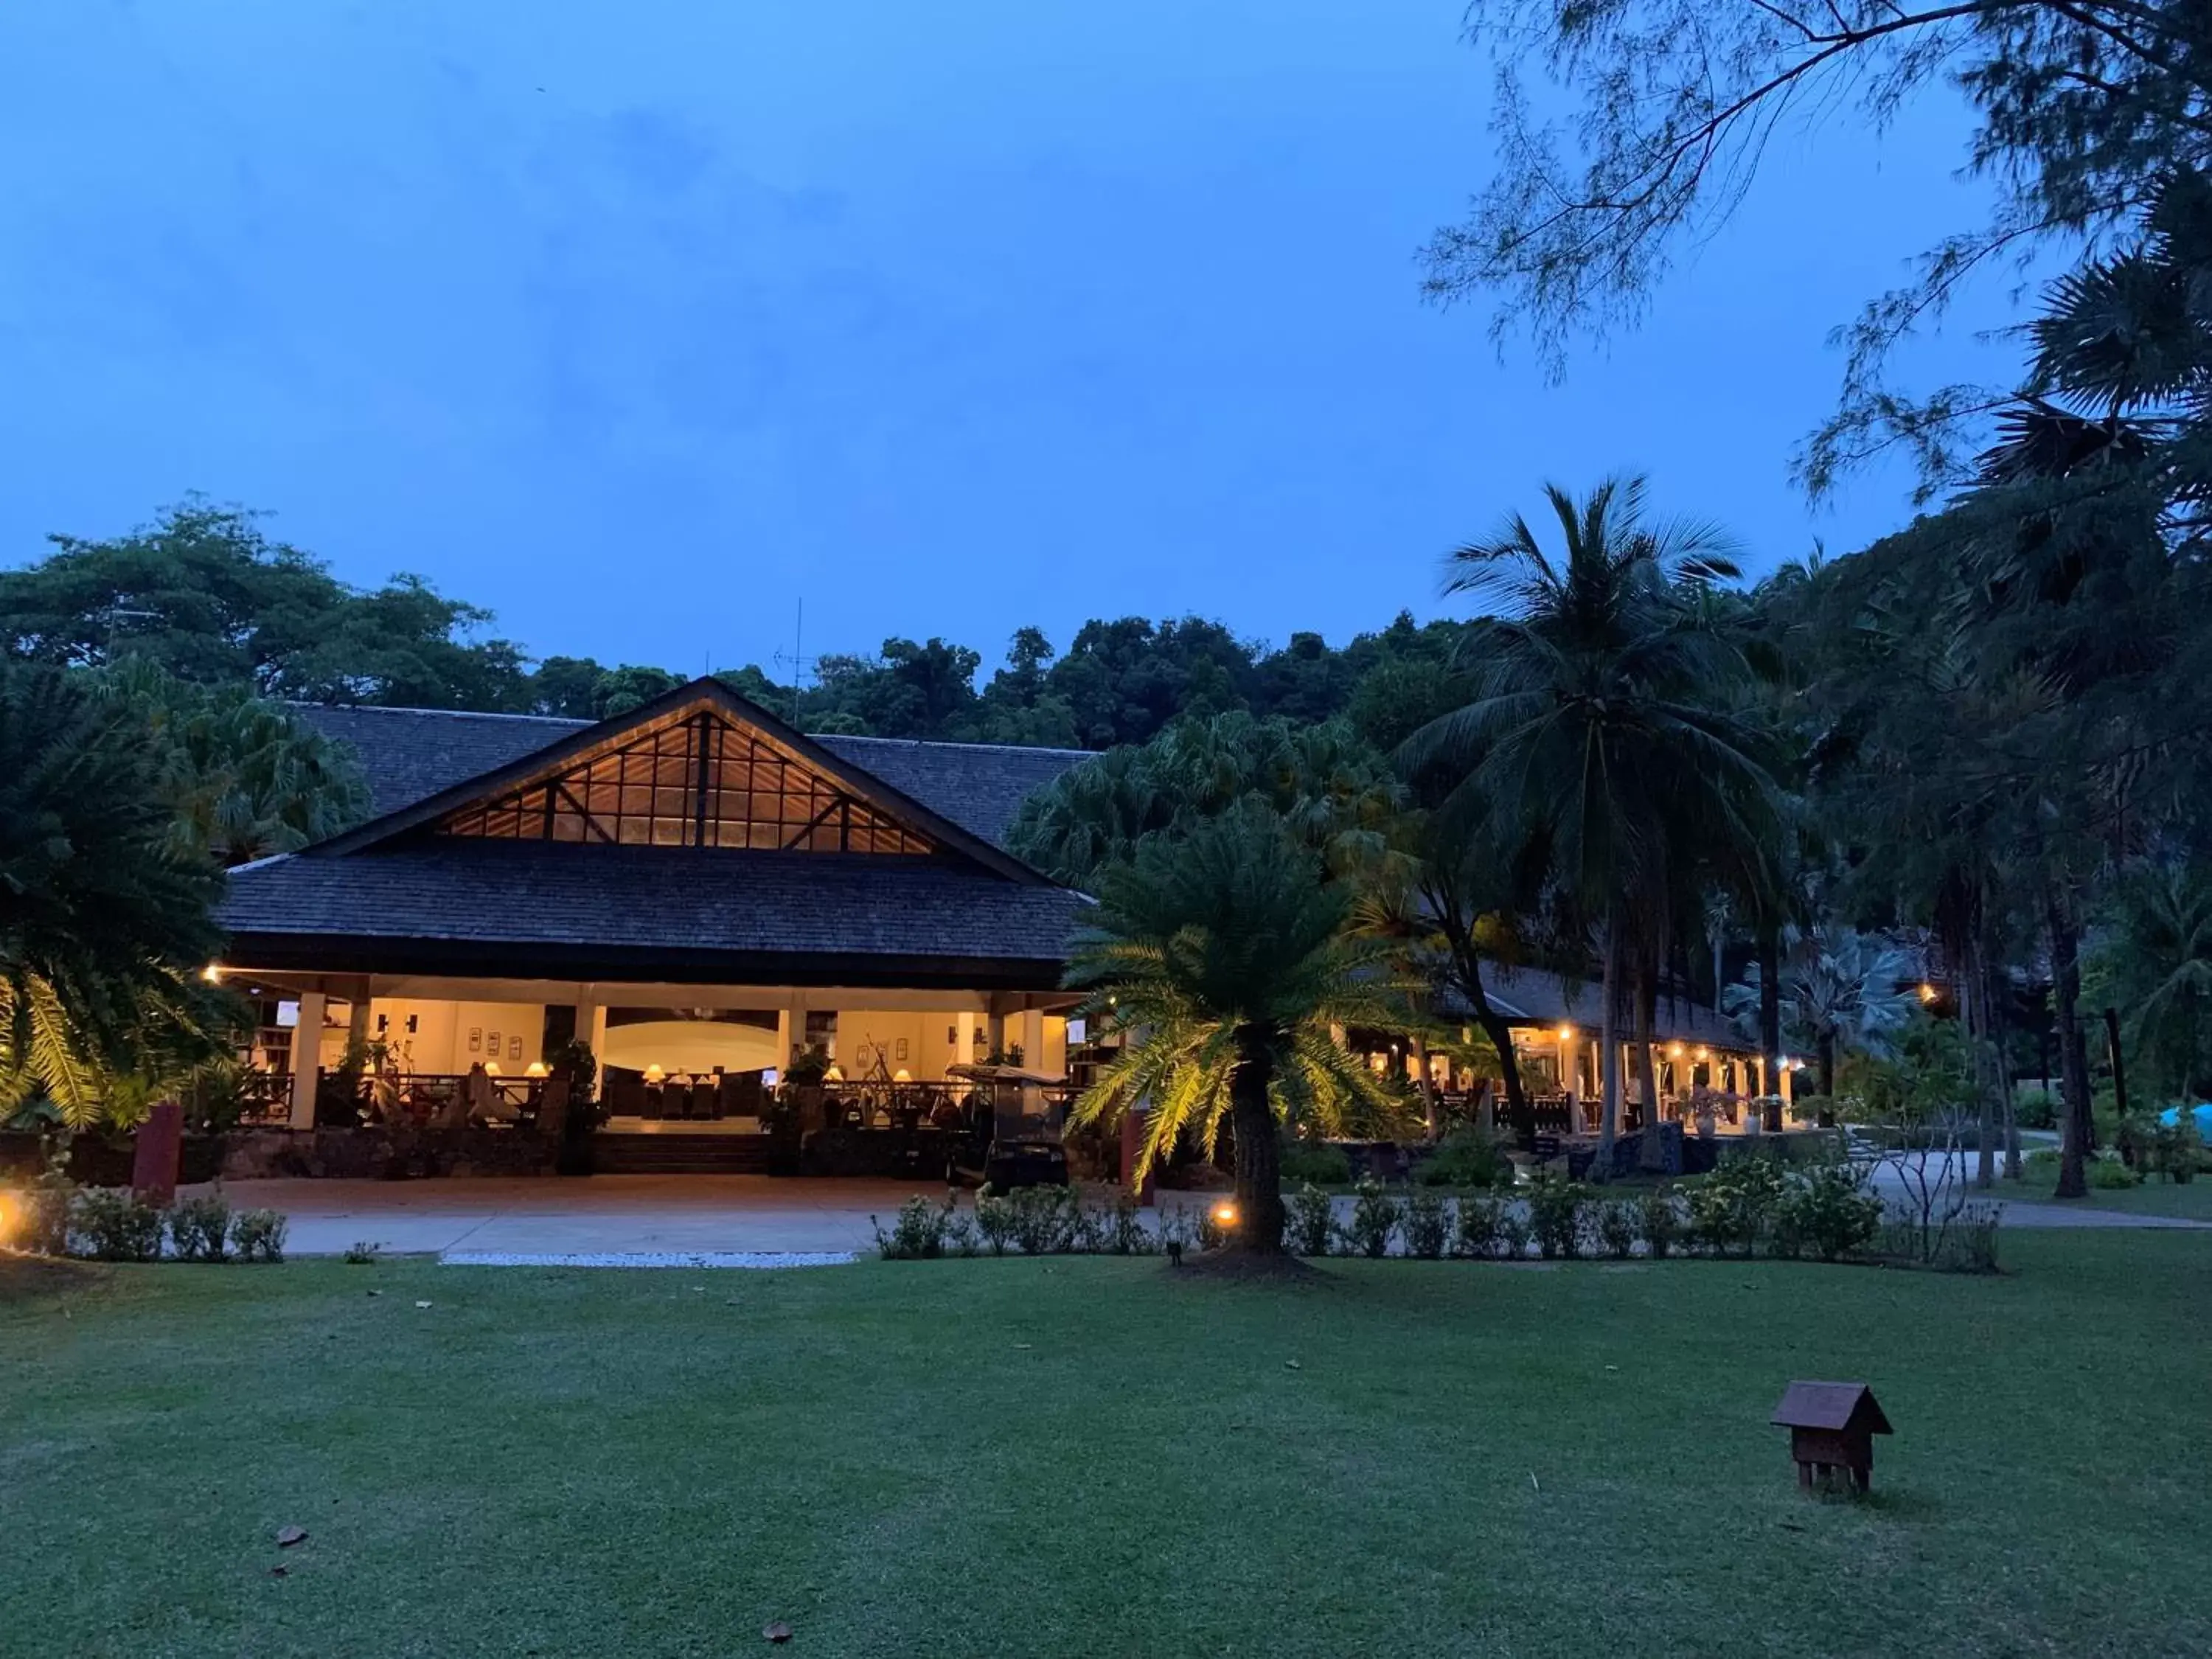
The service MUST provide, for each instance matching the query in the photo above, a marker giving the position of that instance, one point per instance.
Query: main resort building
(715, 902)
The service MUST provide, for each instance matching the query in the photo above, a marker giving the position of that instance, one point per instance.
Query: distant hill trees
(205, 595)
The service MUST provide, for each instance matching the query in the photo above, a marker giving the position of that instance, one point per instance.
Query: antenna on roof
(797, 659)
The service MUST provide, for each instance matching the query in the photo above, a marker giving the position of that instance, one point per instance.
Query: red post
(159, 1154)
(1132, 1133)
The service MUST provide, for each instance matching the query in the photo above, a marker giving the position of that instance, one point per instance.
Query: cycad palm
(101, 920)
(1606, 724)
(1222, 960)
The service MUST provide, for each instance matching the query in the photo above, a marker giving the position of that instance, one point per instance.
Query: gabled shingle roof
(408, 755)
(393, 895)
(979, 786)
(689, 901)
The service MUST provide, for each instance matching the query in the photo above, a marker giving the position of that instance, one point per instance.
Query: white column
(307, 1057)
(964, 1038)
(1033, 1039)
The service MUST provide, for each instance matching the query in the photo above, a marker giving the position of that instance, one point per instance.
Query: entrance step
(668, 1153)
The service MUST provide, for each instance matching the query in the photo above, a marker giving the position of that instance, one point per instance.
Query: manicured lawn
(1095, 1457)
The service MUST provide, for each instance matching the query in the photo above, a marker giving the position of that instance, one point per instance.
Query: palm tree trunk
(1467, 974)
(1609, 1054)
(1647, 1074)
(1259, 1153)
(1769, 1011)
(1824, 1045)
(1974, 1015)
(2075, 1125)
(1993, 1019)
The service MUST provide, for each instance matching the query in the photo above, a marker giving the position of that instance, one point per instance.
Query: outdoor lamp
(1674, 1051)
(1224, 1214)
(11, 1216)
(212, 973)
(1927, 992)
(1566, 1034)
(1704, 1053)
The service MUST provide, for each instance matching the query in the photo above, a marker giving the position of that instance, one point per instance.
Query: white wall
(440, 1041)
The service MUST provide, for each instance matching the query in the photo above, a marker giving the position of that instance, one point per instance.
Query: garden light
(1927, 992)
(212, 973)
(1224, 1214)
(11, 1218)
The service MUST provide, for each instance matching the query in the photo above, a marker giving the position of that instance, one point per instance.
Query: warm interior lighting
(1927, 992)
(1674, 1051)
(835, 1074)
(491, 1069)
(1704, 1053)
(212, 973)
(654, 1075)
(536, 1068)
(1224, 1214)
(902, 1075)
(1566, 1034)
(11, 1218)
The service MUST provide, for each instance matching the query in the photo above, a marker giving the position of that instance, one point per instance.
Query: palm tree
(244, 776)
(1221, 958)
(103, 923)
(1839, 990)
(1604, 726)
(2156, 960)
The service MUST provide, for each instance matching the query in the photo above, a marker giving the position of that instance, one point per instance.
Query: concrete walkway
(1889, 1182)
(686, 1214)
(598, 1213)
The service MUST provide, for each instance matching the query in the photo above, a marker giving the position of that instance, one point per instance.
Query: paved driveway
(2020, 1210)
(597, 1213)
(695, 1214)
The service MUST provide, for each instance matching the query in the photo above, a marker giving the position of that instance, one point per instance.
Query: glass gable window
(693, 780)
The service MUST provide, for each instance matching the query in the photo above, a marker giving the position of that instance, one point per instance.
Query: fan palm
(1221, 958)
(1841, 989)
(1605, 725)
(103, 923)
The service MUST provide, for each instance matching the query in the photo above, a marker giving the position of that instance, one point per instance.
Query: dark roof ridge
(953, 742)
(449, 713)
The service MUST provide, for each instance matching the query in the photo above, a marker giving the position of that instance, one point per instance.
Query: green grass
(1096, 1457)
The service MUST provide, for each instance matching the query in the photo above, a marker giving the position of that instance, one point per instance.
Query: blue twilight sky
(638, 322)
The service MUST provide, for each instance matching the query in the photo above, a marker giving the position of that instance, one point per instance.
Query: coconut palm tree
(103, 923)
(1605, 725)
(1222, 960)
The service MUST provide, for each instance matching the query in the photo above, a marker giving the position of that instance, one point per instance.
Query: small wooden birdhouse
(1832, 1428)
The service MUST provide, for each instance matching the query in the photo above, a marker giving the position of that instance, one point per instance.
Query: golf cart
(1013, 1120)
